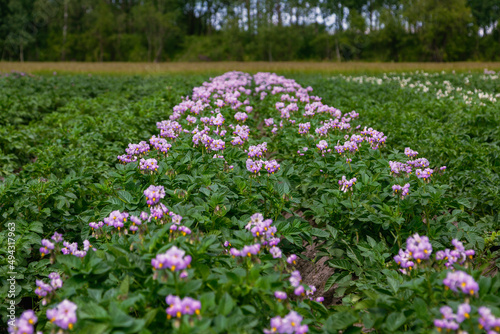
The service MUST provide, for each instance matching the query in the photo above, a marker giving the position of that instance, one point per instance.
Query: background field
(221, 67)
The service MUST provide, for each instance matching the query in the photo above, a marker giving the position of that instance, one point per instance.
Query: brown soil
(317, 274)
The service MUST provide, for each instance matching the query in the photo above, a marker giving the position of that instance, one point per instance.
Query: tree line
(249, 30)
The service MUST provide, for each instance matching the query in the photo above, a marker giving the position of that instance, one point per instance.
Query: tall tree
(21, 29)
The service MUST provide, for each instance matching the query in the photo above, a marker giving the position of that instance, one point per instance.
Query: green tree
(442, 27)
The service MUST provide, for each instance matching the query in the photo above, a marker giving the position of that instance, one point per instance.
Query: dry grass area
(218, 67)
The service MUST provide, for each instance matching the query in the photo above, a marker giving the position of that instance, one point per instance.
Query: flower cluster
(298, 289)
(458, 255)
(174, 259)
(46, 291)
(52, 247)
(127, 158)
(349, 146)
(304, 128)
(95, 227)
(240, 117)
(25, 324)
(137, 149)
(154, 194)
(254, 166)
(289, 324)
(47, 247)
(257, 150)
(136, 223)
(488, 321)
(242, 131)
(161, 144)
(261, 228)
(398, 168)
(178, 307)
(63, 315)
(133, 151)
(424, 174)
(217, 145)
(248, 250)
(117, 220)
(322, 146)
(346, 185)
(237, 141)
(72, 248)
(160, 213)
(271, 166)
(418, 248)
(410, 153)
(402, 191)
(418, 163)
(170, 129)
(461, 281)
(177, 228)
(374, 137)
(450, 320)
(148, 164)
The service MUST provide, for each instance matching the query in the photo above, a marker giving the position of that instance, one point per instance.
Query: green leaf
(332, 279)
(340, 264)
(88, 327)
(93, 311)
(371, 241)
(36, 227)
(333, 231)
(126, 196)
(319, 233)
(119, 318)
(395, 320)
(226, 304)
(340, 320)
(421, 308)
(124, 286)
(69, 261)
(191, 286)
(207, 301)
(393, 283)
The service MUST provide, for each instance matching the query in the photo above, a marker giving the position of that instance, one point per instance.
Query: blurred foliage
(249, 30)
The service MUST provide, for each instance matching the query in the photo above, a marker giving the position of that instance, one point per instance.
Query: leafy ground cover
(252, 203)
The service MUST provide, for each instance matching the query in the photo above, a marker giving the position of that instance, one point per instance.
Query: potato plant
(209, 222)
